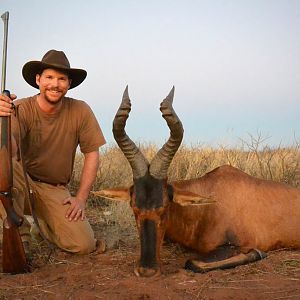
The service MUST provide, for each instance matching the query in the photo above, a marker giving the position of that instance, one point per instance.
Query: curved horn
(162, 160)
(138, 162)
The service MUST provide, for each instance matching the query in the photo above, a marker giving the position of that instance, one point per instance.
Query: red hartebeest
(229, 217)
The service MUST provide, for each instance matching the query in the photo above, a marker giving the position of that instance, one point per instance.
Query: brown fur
(226, 215)
(248, 213)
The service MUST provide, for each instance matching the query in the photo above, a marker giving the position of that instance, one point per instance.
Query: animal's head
(149, 194)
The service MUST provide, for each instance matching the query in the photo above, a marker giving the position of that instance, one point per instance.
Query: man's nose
(54, 82)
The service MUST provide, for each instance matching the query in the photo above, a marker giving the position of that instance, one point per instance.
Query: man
(50, 128)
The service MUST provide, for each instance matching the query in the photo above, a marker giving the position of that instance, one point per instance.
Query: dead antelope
(227, 216)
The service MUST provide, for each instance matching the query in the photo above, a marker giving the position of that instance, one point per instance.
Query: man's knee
(85, 245)
(79, 242)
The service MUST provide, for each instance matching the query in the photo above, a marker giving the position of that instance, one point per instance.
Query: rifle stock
(13, 255)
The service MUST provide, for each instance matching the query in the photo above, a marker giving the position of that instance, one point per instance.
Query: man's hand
(6, 105)
(76, 209)
(88, 175)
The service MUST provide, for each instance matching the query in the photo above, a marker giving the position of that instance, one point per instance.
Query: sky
(235, 64)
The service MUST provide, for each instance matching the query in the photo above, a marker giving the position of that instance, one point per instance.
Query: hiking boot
(100, 247)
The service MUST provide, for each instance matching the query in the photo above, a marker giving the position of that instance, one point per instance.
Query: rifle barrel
(5, 18)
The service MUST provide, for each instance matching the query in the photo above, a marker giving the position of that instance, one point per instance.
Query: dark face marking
(149, 201)
(148, 244)
(148, 192)
(170, 191)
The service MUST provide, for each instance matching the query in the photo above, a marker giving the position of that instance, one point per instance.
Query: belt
(42, 181)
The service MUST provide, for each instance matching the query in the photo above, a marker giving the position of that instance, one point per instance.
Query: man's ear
(120, 194)
(189, 198)
(37, 79)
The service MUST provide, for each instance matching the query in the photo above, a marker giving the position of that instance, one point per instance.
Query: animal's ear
(185, 198)
(121, 194)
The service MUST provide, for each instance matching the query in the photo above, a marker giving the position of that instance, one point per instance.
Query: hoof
(146, 272)
(192, 266)
(259, 254)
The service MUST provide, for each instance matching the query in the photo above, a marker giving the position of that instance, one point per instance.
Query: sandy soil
(110, 275)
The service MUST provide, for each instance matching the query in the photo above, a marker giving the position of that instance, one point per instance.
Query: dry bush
(114, 170)
(254, 157)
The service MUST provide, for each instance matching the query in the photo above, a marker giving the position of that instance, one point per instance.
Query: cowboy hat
(53, 59)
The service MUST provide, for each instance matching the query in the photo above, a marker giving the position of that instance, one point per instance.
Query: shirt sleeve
(90, 133)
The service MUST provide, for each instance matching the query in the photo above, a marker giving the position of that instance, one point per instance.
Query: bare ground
(110, 275)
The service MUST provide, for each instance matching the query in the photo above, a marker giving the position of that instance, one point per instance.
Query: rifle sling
(30, 193)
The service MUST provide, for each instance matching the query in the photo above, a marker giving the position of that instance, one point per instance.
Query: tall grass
(253, 157)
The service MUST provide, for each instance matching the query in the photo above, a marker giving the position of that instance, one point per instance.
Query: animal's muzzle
(151, 226)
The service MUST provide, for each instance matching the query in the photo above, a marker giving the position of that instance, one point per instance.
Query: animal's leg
(199, 266)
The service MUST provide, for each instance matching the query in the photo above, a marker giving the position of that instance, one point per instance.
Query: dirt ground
(110, 275)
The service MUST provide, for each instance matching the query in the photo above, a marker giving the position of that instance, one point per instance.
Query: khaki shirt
(49, 142)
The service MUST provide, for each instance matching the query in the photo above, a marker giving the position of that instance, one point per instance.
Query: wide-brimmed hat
(53, 59)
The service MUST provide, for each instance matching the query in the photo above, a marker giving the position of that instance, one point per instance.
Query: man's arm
(88, 176)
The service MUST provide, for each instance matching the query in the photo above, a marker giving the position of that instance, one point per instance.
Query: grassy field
(259, 160)
(255, 158)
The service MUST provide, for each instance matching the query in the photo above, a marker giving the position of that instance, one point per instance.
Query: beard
(54, 100)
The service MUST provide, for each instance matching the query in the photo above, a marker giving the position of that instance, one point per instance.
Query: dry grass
(254, 157)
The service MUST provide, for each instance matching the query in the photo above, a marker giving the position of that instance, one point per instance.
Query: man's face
(53, 85)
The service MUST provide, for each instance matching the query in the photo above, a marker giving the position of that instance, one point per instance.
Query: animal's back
(248, 213)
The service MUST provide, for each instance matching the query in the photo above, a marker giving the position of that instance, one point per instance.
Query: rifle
(13, 254)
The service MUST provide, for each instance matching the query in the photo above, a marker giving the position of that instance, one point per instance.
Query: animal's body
(242, 211)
